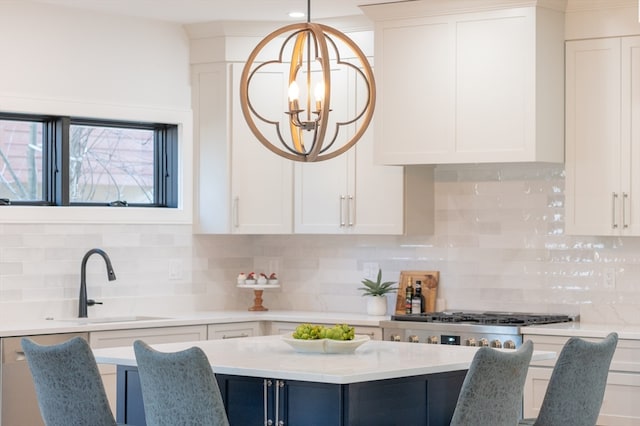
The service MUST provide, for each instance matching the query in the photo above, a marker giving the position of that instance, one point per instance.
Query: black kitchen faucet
(83, 302)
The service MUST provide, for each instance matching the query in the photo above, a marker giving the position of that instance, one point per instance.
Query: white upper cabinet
(243, 188)
(469, 86)
(603, 137)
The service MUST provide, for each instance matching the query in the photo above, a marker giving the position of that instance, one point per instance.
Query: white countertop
(581, 329)
(72, 325)
(271, 357)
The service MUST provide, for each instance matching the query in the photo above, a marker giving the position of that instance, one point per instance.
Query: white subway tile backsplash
(499, 243)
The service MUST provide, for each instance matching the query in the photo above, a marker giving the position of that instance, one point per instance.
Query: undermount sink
(105, 320)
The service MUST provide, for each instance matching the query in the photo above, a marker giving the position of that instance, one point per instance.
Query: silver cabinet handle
(279, 385)
(342, 198)
(235, 336)
(236, 212)
(625, 196)
(350, 209)
(614, 200)
(266, 383)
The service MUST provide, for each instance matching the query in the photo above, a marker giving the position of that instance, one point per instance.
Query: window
(21, 160)
(74, 161)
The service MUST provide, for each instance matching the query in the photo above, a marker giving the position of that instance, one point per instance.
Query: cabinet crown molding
(385, 11)
(579, 5)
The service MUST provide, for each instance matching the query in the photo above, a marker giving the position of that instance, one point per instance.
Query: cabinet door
(242, 187)
(631, 134)
(349, 193)
(495, 65)
(322, 189)
(593, 140)
(307, 403)
(415, 111)
(261, 181)
(245, 400)
(377, 203)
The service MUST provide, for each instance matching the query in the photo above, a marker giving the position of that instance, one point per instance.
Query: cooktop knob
(471, 342)
(395, 338)
(509, 344)
(432, 340)
(483, 342)
(414, 339)
(496, 343)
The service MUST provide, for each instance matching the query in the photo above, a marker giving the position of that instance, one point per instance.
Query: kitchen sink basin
(107, 320)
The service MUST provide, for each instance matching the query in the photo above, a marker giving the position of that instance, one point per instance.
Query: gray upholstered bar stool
(179, 388)
(491, 393)
(68, 383)
(576, 388)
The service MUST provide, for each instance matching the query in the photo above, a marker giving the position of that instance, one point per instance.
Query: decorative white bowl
(327, 346)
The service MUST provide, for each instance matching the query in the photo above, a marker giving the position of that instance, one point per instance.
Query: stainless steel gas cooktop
(485, 318)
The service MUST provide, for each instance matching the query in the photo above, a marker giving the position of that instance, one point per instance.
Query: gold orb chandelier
(316, 130)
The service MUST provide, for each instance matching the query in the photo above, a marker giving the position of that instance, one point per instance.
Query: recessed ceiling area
(194, 11)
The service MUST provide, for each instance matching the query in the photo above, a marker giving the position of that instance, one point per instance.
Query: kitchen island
(263, 378)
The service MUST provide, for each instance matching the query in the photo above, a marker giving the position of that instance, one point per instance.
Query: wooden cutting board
(429, 279)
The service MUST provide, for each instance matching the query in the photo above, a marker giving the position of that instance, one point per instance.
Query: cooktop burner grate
(484, 318)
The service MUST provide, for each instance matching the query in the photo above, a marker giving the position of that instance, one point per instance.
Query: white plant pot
(376, 305)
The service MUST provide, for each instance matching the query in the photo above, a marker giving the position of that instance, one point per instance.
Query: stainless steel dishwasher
(19, 402)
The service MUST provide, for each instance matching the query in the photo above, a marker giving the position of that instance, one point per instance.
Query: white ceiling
(192, 11)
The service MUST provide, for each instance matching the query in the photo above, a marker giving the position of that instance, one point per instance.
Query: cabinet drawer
(626, 357)
(114, 338)
(619, 406)
(233, 330)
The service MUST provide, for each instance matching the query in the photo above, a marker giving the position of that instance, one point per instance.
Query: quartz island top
(271, 357)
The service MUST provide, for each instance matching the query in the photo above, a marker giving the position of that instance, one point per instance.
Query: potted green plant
(377, 291)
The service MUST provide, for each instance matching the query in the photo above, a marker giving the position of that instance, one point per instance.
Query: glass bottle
(408, 295)
(417, 302)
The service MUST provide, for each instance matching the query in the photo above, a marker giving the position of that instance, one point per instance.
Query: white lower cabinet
(277, 327)
(233, 330)
(114, 338)
(620, 405)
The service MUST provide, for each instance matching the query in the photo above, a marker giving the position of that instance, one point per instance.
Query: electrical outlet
(370, 270)
(609, 278)
(176, 269)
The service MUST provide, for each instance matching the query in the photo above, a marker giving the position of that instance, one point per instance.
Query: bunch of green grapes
(340, 332)
(309, 332)
(312, 332)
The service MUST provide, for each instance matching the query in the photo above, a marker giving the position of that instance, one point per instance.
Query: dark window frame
(55, 167)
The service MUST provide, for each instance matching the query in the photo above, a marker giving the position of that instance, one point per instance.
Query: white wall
(81, 58)
(62, 61)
